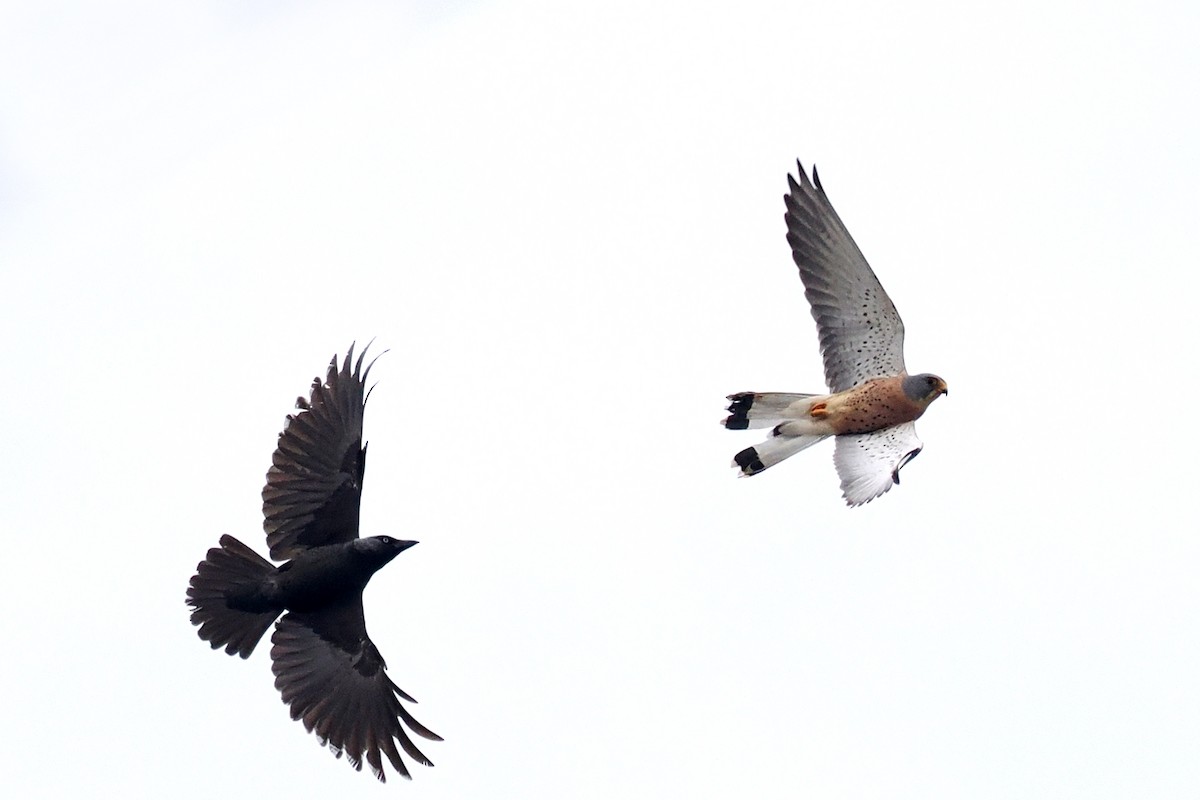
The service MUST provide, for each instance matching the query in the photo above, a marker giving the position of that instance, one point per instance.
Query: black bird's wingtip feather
(359, 373)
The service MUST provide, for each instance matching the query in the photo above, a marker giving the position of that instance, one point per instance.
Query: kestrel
(872, 401)
(327, 668)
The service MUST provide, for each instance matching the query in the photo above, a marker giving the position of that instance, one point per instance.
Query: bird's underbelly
(312, 587)
(867, 408)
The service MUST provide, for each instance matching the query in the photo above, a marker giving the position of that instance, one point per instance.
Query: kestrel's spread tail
(873, 401)
(778, 411)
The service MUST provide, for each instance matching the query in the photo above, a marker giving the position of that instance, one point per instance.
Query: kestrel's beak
(945, 388)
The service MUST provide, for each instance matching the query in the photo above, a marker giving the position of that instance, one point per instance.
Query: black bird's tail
(227, 595)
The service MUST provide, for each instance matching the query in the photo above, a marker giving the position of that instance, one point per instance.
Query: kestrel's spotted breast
(880, 403)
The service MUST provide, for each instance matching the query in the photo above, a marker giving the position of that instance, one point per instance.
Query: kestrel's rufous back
(873, 401)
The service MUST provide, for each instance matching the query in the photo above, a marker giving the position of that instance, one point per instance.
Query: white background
(565, 222)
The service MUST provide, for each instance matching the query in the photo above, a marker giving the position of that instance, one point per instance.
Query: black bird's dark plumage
(328, 670)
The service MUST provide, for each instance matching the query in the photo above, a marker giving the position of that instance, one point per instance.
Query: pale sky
(565, 223)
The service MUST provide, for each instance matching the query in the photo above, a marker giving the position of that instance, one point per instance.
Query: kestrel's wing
(861, 334)
(314, 484)
(332, 677)
(869, 463)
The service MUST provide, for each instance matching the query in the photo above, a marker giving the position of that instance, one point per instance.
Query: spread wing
(869, 463)
(314, 485)
(861, 334)
(332, 677)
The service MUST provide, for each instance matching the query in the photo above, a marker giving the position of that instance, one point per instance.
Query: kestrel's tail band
(754, 460)
(761, 409)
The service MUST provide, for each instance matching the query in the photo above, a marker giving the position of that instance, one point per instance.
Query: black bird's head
(381, 549)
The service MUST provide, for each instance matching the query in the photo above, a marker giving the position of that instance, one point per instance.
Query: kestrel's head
(924, 388)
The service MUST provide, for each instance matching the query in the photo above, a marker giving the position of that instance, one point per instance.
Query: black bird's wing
(314, 485)
(332, 677)
(861, 334)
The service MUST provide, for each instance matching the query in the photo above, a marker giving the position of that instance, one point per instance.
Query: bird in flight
(327, 668)
(872, 401)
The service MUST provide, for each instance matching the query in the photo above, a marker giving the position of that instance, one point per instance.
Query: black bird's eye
(385, 539)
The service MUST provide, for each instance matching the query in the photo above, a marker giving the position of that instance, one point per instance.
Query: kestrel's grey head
(924, 388)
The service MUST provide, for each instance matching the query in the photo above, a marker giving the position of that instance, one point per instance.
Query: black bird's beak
(404, 544)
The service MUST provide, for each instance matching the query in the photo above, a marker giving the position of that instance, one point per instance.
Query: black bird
(328, 670)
